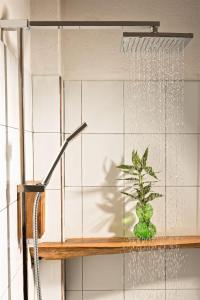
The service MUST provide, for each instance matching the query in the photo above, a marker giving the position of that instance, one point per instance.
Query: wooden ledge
(98, 246)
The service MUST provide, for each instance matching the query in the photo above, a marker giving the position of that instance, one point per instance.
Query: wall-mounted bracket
(28, 188)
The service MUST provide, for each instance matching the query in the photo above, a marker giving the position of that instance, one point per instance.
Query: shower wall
(11, 277)
(96, 90)
(94, 207)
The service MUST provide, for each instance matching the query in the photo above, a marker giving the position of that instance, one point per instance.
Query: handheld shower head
(61, 151)
(145, 41)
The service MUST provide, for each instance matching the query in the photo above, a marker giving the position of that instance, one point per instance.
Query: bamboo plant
(142, 178)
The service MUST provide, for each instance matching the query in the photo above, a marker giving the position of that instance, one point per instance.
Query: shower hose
(35, 246)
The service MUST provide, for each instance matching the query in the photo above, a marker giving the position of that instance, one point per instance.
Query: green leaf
(136, 159)
(153, 196)
(128, 178)
(151, 172)
(127, 194)
(147, 189)
(125, 167)
(144, 157)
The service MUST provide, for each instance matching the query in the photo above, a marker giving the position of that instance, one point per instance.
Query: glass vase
(144, 229)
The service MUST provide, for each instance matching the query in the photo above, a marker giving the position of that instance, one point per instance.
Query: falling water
(155, 102)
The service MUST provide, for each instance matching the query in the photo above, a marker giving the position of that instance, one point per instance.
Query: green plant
(140, 176)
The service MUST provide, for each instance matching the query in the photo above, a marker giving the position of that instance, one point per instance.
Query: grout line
(136, 289)
(197, 191)
(48, 132)
(7, 175)
(8, 286)
(165, 110)
(107, 79)
(7, 206)
(33, 140)
(16, 128)
(132, 133)
(122, 186)
(116, 133)
(123, 226)
(82, 181)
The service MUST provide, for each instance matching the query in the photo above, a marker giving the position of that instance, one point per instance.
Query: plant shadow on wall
(112, 203)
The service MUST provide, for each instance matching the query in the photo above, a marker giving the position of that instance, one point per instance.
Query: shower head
(144, 41)
(61, 151)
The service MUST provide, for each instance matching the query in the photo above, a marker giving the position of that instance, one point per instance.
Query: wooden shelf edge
(78, 247)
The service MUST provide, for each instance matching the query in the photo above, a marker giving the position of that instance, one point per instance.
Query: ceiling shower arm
(95, 23)
(14, 24)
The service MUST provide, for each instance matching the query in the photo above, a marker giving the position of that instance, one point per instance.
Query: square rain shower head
(147, 41)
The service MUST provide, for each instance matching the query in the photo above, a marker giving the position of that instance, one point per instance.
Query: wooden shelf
(98, 246)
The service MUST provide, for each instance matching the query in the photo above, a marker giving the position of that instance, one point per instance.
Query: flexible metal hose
(35, 246)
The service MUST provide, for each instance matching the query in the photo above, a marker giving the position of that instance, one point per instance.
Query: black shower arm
(40, 187)
(45, 182)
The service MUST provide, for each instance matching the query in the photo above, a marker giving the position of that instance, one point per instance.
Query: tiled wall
(94, 207)
(46, 126)
(11, 277)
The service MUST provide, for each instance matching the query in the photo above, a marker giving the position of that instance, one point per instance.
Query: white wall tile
(2, 85)
(4, 252)
(184, 116)
(73, 105)
(144, 113)
(13, 164)
(29, 155)
(74, 274)
(103, 272)
(16, 285)
(46, 147)
(44, 51)
(15, 251)
(45, 10)
(101, 154)
(28, 111)
(182, 269)
(52, 216)
(73, 212)
(93, 54)
(182, 210)
(158, 218)
(46, 104)
(156, 144)
(3, 181)
(103, 106)
(72, 295)
(182, 159)
(145, 295)
(73, 163)
(183, 295)
(102, 212)
(12, 91)
(27, 51)
(50, 279)
(145, 270)
(5, 295)
(31, 288)
(103, 295)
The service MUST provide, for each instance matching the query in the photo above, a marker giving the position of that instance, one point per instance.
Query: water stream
(155, 106)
